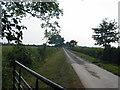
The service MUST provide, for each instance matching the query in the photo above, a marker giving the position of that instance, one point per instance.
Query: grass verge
(59, 71)
(110, 67)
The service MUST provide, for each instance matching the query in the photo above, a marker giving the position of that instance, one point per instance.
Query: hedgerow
(111, 55)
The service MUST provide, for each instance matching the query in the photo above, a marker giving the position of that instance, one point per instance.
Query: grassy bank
(59, 71)
(110, 67)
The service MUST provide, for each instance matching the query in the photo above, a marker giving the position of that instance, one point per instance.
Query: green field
(50, 62)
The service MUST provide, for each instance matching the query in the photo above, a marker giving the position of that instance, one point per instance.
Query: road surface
(91, 75)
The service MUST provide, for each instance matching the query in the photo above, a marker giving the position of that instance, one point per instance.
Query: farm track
(91, 75)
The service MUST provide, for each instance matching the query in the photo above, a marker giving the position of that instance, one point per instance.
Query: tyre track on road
(91, 75)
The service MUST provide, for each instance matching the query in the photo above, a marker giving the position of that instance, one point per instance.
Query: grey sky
(81, 16)
(76, 23)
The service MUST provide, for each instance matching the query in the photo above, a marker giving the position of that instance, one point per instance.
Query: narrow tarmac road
(91, 75)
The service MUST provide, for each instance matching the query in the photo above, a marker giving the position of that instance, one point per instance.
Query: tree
(67, 44)
(13, 12)
(57, 40)
(106, 33)
(73, 43)
(50, 34)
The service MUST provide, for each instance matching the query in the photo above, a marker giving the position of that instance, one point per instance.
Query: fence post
(19, 78)
(36, 83)
(14, 74)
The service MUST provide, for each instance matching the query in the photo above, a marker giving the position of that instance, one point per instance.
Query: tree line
(58, 41)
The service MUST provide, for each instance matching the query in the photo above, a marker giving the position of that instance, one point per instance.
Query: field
(49, 62)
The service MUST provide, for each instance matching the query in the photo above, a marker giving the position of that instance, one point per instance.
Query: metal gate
(17, 81)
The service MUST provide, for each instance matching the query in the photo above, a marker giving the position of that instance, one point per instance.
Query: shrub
(21, 54)
(111, 55)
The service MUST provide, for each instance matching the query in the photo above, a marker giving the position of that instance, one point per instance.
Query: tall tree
(106, 33)
(13, 12)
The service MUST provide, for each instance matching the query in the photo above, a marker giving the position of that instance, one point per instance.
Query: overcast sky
(76, 23)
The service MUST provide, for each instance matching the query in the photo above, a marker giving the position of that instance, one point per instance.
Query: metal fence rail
(17, 82)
